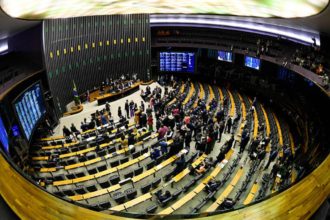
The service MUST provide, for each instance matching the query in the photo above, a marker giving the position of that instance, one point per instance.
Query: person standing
(149, 110)
(66, 131)
(221, 129)
(150, 123)
(107, 107)
(103, 119)
(131, 108)
(244, 142)
(127, 108)
(119, 112)
(163, 147)
(229, 123)
(162, 131)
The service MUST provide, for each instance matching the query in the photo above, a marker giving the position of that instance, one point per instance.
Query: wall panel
(90, 49)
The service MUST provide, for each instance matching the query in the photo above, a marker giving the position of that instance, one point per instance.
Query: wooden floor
(298, 202)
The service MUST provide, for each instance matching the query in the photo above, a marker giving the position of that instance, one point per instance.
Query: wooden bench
(194, 192)
(251, 194)
(116, 187)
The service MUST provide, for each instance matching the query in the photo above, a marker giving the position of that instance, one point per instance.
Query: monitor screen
(225, 56)
(15, 130)
(29, 107)
(252, 62)
(177, 62)
(4, 137)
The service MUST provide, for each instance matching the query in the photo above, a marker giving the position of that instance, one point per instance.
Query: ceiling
(317, 24)
(11, 26)
(49, 9)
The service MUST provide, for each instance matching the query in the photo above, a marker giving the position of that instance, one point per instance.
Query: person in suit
(213, 184)
(143, 120)
(66, 131)
(131, 140)
(148, 110)
(91, 124)
(107, 107)
(220, 115)
(180, 165)
(261, 155)
(221, 155)
(163, 147)
(275, 169)
(230, 142)
(163, 196)
(221, 129)
(244, 142)
(142, 105)
(244, 133)
(119, 112)
(155, 153)
(229, 123)
(127, 108)
(83, 127)
(74, 129)
(210, 120)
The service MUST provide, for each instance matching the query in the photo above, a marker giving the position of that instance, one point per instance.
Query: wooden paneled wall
(90, 49)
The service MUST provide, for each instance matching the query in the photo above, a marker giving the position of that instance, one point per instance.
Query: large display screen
(29, 107)
(48, 9)
(252, 62)
(177, 62)
(4, 137)
(225, 56)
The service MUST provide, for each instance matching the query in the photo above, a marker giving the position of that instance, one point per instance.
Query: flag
(59, 105)
(148, 75)
(75, 93)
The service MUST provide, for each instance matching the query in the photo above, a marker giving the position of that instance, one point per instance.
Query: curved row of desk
(30, 201)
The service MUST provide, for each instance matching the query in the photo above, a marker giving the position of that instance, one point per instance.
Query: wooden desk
(51, 138)
(63, 182)
(101, 100)
(43, 170)
(227, 191)
(132, 203)
(90, 130)
(40, 158)
(251, 194)
(186, 171)
(59, 146)
(183, 200)
(143, 175)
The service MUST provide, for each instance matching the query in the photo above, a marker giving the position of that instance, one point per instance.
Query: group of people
(113, 85)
